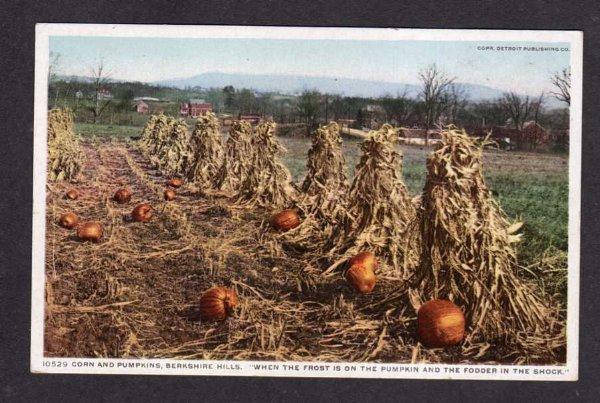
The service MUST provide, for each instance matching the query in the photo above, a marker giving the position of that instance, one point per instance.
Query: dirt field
(136, 293)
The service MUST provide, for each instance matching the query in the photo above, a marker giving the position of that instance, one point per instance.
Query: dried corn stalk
(468, 253)
(64, 155)
(178, 156)
(208, 152)
(146, 136)
(168, 145)
(268, 182)
(324, 189)
(238, 157)
(157, 139)
(380, 211)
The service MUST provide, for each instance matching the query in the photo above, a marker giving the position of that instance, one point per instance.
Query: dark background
(16, 132)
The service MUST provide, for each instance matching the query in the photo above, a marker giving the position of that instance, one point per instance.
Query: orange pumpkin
(90, 231)
(142, 212)
(285, 220)
(175, 182)
(217, 303)
(366, 259)
(169, 194)
(68, 220)
(440, 323)
(72, 194)
(362, 278)
(122, 196)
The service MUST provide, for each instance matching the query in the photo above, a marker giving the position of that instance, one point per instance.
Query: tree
(216, 97)
(517, 107)
(434, 88)
(562, 81)
(397, 108)
(53, 66)
(456, 99)
(308, 108)
(537, 107)
(486, 113)
(100, 77)
(229, 93)
(246, 101)
(125, 99)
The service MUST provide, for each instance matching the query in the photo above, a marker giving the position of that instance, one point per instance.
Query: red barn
(194, 108)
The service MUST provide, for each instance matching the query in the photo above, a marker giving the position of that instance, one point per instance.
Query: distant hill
(290, 84)
(294, 84)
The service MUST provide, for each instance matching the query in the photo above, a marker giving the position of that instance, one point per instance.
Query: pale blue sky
(150, 59)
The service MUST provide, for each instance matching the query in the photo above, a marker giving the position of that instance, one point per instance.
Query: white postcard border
(41, 364)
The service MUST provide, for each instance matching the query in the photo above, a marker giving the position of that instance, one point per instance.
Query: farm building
(253, 119)
(226, 119)
(146, 99)
(142, 107)
(531, 136)
(195, 108)
(104, 94)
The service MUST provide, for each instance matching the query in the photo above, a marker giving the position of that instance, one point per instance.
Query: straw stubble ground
(136, 293)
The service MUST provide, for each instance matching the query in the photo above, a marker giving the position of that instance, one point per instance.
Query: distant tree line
(440, 101)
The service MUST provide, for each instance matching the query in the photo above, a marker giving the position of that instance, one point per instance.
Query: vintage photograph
(306, 202)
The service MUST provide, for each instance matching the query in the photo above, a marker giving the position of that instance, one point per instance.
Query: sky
(154, 59)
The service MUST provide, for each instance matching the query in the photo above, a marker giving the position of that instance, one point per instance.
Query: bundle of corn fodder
(468, 256)
(380, 213)
(268, 182)
(146, 136)
(175, 155)
(238, 157)
(64, 155)
(157, 138)
(324, 190)
(208, 152)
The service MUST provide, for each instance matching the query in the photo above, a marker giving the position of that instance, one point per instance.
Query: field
(136, 293)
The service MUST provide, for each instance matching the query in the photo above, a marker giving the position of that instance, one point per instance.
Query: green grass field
(530, 187)
(90, 130)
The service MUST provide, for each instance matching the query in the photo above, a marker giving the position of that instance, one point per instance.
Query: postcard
(306, 202)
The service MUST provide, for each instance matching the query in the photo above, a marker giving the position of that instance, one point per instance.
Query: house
(253, 119)
(194, 108)
(142, 107)
(226, 119)
(104, 94)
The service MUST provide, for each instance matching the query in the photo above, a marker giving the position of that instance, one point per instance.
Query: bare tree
(53, 66)
(562, 81)
(517, 107)
(100, 77)
(435, 85)
(537, 106)
(456, 100)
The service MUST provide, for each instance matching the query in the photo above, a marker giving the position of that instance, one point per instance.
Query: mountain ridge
(293, 84)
